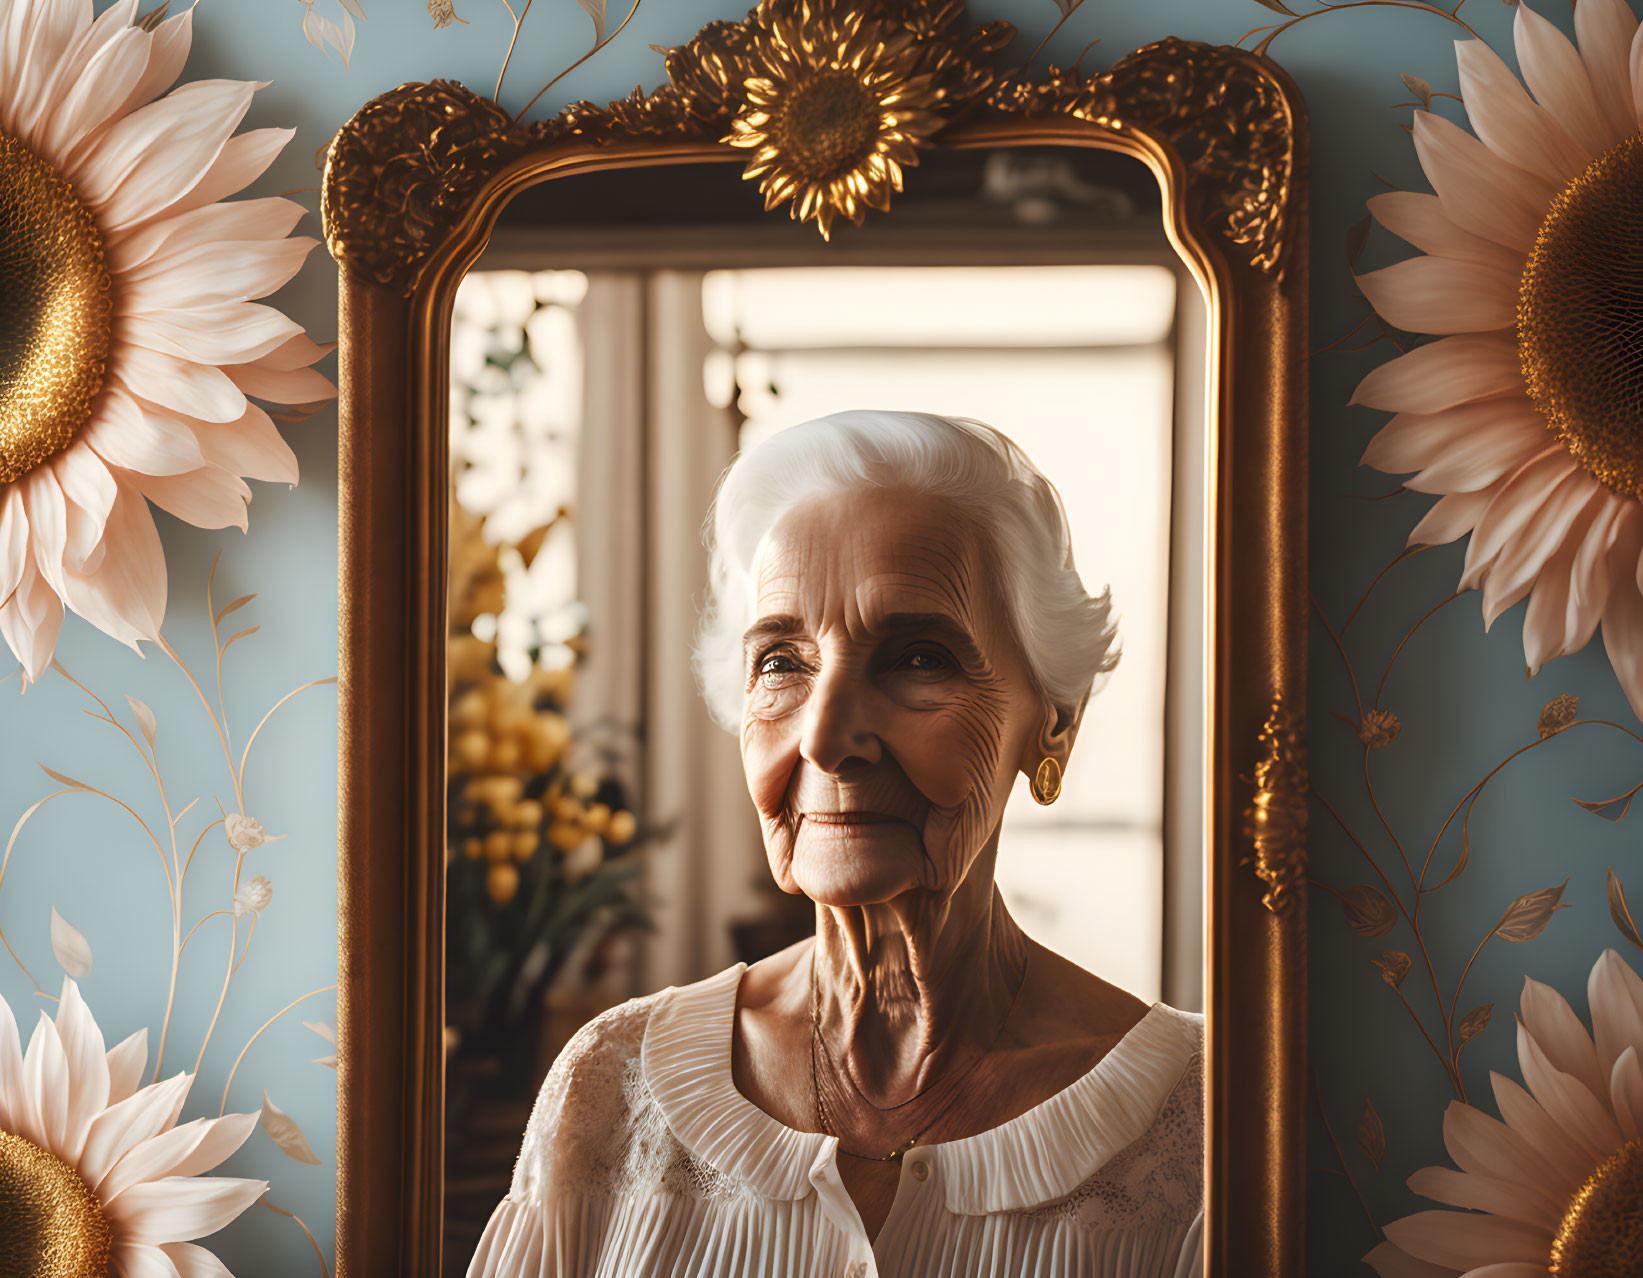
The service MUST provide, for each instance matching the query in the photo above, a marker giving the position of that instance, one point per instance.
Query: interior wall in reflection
(680, 370)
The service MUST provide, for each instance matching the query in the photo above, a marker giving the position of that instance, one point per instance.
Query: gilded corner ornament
(1275, 820)
(831, 101)
(402, 171)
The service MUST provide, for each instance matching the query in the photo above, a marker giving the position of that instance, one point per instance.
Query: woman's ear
(1057, 730)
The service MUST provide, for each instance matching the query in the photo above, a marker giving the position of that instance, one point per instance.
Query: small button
(921, 1171)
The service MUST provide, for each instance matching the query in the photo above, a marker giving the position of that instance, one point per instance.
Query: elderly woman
(896, 629)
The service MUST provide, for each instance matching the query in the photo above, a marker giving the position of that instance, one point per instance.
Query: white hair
(1065, 634)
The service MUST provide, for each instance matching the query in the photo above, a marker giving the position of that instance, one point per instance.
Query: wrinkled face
(888, 705)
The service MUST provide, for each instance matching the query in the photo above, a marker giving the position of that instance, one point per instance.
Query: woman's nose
(838, 723)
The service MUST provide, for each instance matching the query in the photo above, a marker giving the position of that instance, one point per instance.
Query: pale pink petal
(252, 447)
(196, 390)
(48, 522)
(1637, 74)
(283, 375)
(1441, 295)
(126, 597)
(126, 1060)
(1484, 1145)
(1419, 218)
(14, 539)
(299, 352)
(89, 490)
(1570, 1105)
(45, 1075)
(11, 1069)
(223, 333)
(1510, 1269)
(1453, 516)
(1461, 449)
(1615, 993)
(1626, 1094)
(1547, 1016)
(219, 271)
(87, 1068)
(207, 498)
(38, 39)
(224, 1136)
(1464, 1240)
(1543, 619)
(139, 1260)
(1520, 499)
(181, 1208)
(1623, 634)
(1605, 29)
(1487, 1193)
(86, 94)
(1442, 374)
(1388, 1262)
(1559, 1164)
(269, 218)
(1479, 191)
(244, 159)
(30, 622)
(195, 1262)
(144, 162)
(186, 1150)
(172, 41)
(294, 386)
(134, 436)
(1557, 77)
(1509, 122)
(1565, 515)
(1568, 599)
(129, 1122)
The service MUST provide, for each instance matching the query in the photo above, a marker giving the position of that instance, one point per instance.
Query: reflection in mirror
(612, 353)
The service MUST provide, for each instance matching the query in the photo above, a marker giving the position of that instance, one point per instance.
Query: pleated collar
(1033, 1159)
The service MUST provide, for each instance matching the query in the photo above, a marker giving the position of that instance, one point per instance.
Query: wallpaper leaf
(1371, 1134)
(1614, 809)
(145, 720)
(1475, 1022)
(1527, 917)
(285, 1133)
(72, 951)
(1619, 912)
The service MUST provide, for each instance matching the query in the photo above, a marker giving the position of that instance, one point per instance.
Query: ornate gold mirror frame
(825, 102)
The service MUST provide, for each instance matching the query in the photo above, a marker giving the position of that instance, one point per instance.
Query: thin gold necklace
(815, 1082)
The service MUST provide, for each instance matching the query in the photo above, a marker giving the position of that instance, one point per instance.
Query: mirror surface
(625, 335)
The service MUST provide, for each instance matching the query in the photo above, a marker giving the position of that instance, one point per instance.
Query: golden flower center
(1580, 318)
(826, 125)
(1602, 1231)
(51, 1224)
(55, 325)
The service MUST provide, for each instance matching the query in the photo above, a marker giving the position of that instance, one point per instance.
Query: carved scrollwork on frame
(402, 171)
(831, 100)
(1275, 821)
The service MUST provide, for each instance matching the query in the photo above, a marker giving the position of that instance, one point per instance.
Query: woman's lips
(850, 818)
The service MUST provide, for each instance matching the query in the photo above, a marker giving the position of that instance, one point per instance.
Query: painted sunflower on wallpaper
(1526, 412)
(1555, 1185)
(131, 350)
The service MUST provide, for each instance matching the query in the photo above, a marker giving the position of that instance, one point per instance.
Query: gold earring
(1047, 780)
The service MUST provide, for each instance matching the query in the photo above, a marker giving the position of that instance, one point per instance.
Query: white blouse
(641, 1159)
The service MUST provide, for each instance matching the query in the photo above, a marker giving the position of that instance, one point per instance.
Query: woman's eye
(776, 663)
(926, 662)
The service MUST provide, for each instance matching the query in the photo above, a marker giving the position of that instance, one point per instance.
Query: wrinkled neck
(906, 988)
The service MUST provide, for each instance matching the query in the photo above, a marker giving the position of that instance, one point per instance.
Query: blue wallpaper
(1459, 693)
